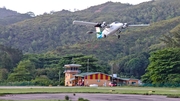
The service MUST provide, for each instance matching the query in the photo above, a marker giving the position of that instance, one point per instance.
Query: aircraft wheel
(104, 36)
(119, 36)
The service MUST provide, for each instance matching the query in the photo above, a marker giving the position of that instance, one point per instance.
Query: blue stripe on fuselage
(99, 35)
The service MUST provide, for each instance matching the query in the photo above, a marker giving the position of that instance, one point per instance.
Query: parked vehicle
(112, 84)
(93, 85)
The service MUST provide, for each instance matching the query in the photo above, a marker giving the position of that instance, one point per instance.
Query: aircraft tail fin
(99, 33)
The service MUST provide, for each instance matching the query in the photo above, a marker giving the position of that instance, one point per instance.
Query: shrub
(173, 96)
(82, 99)
(66, 97)
(42, 81)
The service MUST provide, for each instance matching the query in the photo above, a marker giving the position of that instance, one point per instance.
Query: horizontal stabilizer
(84, 23)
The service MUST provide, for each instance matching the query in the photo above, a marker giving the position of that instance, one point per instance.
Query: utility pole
(112, 67)
(112, 71)
(59, 76)
(88, 65)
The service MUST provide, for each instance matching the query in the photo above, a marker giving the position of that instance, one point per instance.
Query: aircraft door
(98, 33)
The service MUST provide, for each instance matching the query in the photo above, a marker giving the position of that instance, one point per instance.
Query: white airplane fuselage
(112, 28)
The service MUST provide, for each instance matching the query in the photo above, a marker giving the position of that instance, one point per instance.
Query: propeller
(125, 25)
(103, 24)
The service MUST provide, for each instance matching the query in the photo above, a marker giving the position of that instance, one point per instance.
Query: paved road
(91, 97)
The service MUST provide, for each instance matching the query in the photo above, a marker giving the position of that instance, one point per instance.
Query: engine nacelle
(125, 25)
(103, 24)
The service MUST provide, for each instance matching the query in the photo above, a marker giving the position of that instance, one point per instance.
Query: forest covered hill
(47, 42)
(8, 17)
(49, 31)
(6, 12)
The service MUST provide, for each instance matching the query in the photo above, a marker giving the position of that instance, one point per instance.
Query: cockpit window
(116, 22)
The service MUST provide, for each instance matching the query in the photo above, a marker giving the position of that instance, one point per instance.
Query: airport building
(73, 77)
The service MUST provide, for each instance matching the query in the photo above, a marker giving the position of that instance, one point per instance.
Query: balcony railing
(72, 71)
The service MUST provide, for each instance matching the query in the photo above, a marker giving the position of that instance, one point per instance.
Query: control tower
(70, 71)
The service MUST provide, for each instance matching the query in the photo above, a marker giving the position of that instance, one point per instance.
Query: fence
(25, 83)
(161, 85)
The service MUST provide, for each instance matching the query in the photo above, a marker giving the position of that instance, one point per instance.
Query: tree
(89, 63)
(5, 60)
(133, 65)
(24, 71)
(9, 57)
(3, 74)
(164, 67)
(31, 14)
(42, 80)
(138, 64)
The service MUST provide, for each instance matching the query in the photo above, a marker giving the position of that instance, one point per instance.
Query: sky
(39, 7)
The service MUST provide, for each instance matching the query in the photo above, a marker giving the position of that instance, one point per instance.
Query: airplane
(109, 29)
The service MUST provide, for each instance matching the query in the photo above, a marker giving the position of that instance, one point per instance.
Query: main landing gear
(119, 36)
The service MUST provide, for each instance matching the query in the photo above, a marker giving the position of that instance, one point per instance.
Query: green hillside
(142, 38)
(49, 31)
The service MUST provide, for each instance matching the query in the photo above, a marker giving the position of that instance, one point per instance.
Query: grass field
(113, 90)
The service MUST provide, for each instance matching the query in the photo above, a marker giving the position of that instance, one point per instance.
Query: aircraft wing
(84, 23)
(139, 25)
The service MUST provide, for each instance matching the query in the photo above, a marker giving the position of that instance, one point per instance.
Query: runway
(91, 97)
